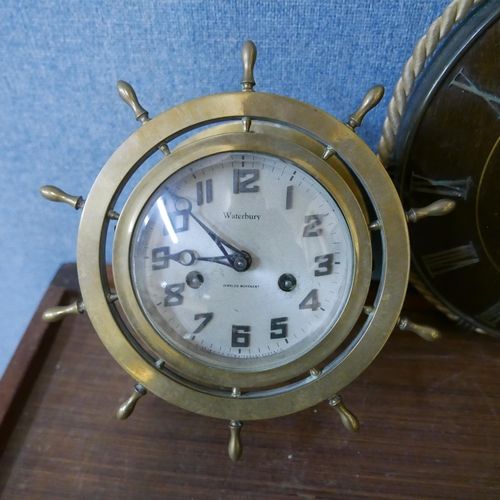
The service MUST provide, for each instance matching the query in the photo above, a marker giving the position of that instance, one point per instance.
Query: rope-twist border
(424, 49)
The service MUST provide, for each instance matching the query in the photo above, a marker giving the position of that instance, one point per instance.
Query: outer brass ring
(277, 147)
(224, 107)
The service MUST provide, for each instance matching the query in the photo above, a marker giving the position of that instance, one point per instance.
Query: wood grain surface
(429, 416)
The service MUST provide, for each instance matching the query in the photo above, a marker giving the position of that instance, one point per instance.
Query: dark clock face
(449, 148)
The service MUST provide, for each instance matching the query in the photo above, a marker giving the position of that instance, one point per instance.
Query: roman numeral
(491, 316)
(462, 82)
(456, 188)
(449, 260)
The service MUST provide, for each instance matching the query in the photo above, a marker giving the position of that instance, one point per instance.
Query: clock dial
(249, 260)
(448, 147)
(242, 261)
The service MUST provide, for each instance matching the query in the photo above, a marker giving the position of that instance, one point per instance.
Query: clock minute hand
(239, 260)
(189, 257)
(217, 239)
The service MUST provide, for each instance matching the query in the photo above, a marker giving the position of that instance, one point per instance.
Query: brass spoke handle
(426, 332)
(348, 418)
(127, 407)
(235, 447)
(53, 193)
(58, 313)
(436, 209)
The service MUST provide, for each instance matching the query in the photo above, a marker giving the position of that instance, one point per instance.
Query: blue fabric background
(62, 118)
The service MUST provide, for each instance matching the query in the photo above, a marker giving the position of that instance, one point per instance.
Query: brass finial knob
(246, 123)
(436, 209)
(426, 332)
(53, 193)
(235, 447)
(127, 93)
(248, 56)
(127, 407)
(113, 215)
(328, 153)
(54, 314)
(375, 225)
(371, 99)
(368, 310)
(348, 418)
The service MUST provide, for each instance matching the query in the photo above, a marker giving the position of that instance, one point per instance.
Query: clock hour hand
(239, 260)
(189, 257)
(220, 259)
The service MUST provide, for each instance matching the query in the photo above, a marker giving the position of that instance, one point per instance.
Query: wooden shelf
(429, 415)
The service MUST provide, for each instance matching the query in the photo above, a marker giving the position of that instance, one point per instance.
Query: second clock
(449, 146)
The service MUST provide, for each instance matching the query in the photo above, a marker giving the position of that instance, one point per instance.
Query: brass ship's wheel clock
(242, 259)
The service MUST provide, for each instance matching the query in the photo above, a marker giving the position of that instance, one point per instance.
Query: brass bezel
(208, 110)
(260, 143)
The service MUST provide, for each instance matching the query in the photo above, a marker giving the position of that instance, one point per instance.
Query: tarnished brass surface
(436, 209)
(58, 313)
(53, 193)
(258, 107)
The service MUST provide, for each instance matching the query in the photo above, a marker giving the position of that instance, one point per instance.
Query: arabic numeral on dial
(161, 257)
(242, 178)
(240, 336)
(179, 220)
(279, 328)
(311, 301)
(289, 198)
(207, 317)
(207, 196)
(173, 295)
(325, 265)
(312, 223)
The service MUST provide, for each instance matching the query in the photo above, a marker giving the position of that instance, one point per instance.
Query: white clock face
(242, 261)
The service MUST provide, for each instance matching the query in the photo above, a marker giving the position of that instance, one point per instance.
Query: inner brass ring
(259, 143)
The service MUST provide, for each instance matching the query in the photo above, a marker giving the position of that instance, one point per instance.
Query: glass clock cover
(242, 261)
